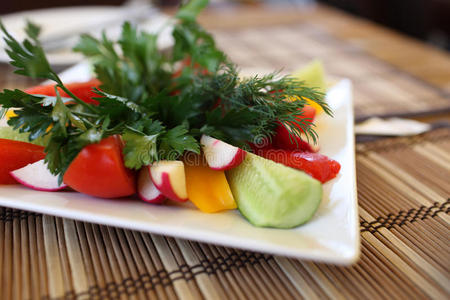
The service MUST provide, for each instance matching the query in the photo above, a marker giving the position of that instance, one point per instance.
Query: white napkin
(391, 127)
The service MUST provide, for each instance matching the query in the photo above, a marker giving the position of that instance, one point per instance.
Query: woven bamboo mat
(403, 191)
(381, 89)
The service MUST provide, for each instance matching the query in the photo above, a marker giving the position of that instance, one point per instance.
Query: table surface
(403, 187)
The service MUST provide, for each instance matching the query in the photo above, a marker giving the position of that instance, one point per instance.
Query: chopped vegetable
(37, 177)
(272, 195)
(83, 90)
(317, 165)
(313, 76)
(15, 155)
(169, 178)
(208, 189)
(284, 139)
(98, 170)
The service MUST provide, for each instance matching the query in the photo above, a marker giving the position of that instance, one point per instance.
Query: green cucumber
(313, 75)
(270, 194)
(9, 133)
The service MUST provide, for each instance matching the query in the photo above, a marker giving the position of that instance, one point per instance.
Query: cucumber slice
(313, 74)
(7, 132)
(270, 194)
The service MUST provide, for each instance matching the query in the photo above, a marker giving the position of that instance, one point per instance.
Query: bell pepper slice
(208, 189)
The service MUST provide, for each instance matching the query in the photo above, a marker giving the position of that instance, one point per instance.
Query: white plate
(331, 236)
(57, 21)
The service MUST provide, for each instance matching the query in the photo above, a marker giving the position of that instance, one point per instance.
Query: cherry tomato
(99, 170)
(15, 155)
(83, 90)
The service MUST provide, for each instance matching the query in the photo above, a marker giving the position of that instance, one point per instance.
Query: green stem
(83, 114)
(78, 100)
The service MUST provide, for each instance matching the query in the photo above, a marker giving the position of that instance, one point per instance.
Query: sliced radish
(147, 191)
(169, 177)
(38, 177)
(220, 155)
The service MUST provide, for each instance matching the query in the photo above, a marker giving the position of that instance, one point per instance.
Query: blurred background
(428, 20)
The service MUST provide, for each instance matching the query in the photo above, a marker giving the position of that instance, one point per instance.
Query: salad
(179, 125)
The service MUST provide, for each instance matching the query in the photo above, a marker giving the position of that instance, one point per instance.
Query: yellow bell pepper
(9, 114)
(208, 189)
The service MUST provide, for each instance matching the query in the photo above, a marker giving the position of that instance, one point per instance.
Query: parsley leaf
(190, 11)
(177, 140)
(140, 150)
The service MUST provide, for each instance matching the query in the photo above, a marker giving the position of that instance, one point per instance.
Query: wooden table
(403, 186)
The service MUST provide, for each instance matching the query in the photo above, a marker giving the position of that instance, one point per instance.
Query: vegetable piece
(147, 190)
(313, 76)
(38, 177)
(220, 155)
(208, 189)
(309, 113)
(317, 165)
(98, 170)
(283, 139)
(83, 90)
(169, 178)
(269, 194)
(11, 134)
(15, 155)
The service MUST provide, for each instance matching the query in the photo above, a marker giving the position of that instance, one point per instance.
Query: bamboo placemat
(403, 192)
(380, 88)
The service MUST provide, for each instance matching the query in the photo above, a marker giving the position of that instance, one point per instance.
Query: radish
(147, 191)
(220, 155)
(169, 177)
(38, 177)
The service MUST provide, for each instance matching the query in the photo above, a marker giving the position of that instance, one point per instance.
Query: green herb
(161, 103)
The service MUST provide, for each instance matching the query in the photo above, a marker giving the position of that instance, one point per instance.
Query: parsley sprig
(159, 102)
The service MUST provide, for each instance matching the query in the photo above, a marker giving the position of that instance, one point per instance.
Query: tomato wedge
(99, 170)
(83, 90)
(15, 155)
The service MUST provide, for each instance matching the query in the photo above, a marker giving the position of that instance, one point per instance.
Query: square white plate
(331, 236)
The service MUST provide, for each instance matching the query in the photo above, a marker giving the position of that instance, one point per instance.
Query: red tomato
(99, 170)
(317, 165)
(309, 113)
(83, 90)
(15, 155)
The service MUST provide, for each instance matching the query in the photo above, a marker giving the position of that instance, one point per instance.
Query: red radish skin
(147, 190)
(169, 178)
(236, 161)
(221, 156)
(167, 188)
(37, 177)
